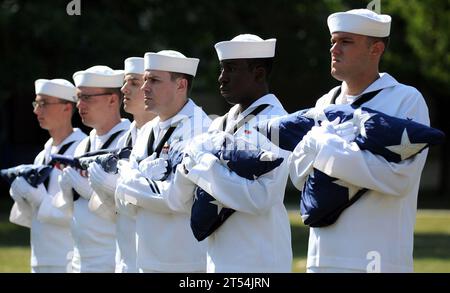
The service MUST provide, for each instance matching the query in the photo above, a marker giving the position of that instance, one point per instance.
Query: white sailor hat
(59, 88)
(99, 76)
(246, 46)
(171, 61)
(134, 65)
(360, 21)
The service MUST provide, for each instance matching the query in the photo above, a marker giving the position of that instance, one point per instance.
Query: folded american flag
(393, 138)
(207, 213)
(33, 174)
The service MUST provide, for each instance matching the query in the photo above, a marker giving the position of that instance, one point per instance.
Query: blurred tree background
(40, 40)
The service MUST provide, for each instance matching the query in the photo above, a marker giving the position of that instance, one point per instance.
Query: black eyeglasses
(44, 104)
(87, 98)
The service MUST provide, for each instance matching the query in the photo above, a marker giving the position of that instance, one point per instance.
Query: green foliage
(426, 31)
(40, 40)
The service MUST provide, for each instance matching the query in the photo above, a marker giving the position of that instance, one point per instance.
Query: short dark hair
(74, 106)
(385, 41)
(118, 92)
(189, 78)
(266, 63)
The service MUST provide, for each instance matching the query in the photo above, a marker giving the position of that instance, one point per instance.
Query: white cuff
(206, 161)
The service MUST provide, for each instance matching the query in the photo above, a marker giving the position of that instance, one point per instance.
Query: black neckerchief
(151, 141)
(129, 141)
(358, 102)
(244, 120)
(106, 144)
(61, 151)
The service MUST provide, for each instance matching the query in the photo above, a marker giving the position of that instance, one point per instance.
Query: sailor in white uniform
(165, 242)
(51, 240)
(257, 237)
(104, 184)
(375, 234)
(94, 233)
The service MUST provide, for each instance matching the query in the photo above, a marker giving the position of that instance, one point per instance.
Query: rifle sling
(129, 141)
(244, 120)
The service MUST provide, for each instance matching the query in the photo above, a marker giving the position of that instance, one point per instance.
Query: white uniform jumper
(165, 242)
(51, 240)
(94, 236)
(126, 213)
(380, 225)
(257, 237)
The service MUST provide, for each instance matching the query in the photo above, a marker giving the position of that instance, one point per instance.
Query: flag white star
(360, 117)
(218, 204)
(316, 115)
(352, 189)
(267, 156)
(406, 149)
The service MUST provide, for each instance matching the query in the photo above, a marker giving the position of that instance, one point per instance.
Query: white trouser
(152, 271)
(96, 264)
(332, 270)
(49, 269)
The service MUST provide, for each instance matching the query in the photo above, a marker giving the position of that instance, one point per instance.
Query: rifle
(33, 174)
(106, 158)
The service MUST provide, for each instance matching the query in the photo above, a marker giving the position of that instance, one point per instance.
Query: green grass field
(431, 243)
